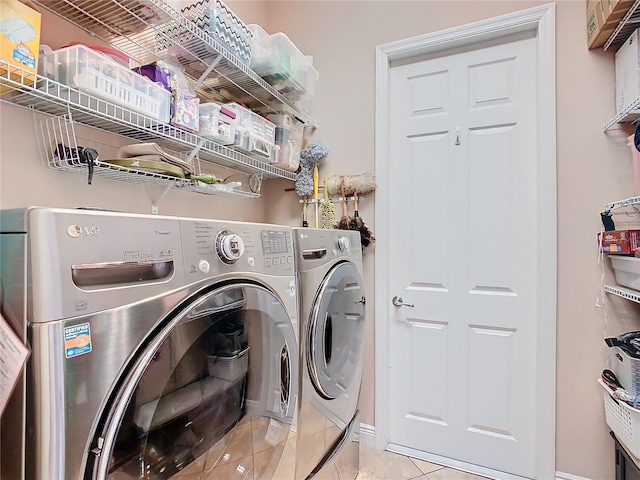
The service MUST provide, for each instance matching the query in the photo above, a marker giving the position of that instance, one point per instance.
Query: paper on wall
(13, 356)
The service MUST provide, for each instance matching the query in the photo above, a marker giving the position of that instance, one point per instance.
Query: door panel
(463, 233)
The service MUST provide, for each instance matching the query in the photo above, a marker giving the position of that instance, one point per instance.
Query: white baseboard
(568, 476)
(367, 435)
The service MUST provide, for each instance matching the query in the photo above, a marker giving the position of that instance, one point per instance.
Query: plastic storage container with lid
(277, 59)
(289, 133)
(217, 123)
(97, 74)
(254, 134)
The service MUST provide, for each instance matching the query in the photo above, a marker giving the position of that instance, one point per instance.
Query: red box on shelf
(620, 242)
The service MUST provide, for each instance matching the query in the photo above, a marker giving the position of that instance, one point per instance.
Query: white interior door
(463, 237)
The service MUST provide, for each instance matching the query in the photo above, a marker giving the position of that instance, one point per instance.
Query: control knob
(230, 247)
(343, 243)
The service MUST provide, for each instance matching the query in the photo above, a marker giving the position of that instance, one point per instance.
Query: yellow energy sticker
(77, 340)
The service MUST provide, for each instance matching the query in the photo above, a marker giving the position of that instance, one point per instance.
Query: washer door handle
(399, 302)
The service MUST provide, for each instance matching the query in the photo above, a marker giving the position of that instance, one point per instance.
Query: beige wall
(593, 169)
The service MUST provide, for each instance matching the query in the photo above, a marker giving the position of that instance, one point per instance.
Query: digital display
(274, 243)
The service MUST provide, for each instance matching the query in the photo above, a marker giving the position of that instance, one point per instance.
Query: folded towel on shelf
(153, 152)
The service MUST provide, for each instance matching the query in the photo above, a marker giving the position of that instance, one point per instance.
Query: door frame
(540, 20)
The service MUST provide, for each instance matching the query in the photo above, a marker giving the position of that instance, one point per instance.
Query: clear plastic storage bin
(282, 65)
(254, 134)
(91, 71)
(289, 133)
(217, 123)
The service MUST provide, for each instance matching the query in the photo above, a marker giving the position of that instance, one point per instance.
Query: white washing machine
(159, 345)
(332, 324)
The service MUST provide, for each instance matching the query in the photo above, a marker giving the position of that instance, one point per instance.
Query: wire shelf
(49, 96)
(62, 149)
(147, 30)
(622, 203)
(629, 114)
(626, 26)
(627, 293)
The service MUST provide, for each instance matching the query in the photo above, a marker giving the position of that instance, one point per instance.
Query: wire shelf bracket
(155, 204)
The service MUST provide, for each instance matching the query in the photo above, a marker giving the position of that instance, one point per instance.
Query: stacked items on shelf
(621, 389)
(281, 64)
(603, 18)
(90, 70)
(215, 18)
(157, 101)
(289, 132)
(253, 134)
(621, 384)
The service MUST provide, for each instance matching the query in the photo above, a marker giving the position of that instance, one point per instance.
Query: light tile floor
(375, 465)
(254, 450)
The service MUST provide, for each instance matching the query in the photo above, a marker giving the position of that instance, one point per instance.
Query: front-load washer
(332, 323)
(159, 345)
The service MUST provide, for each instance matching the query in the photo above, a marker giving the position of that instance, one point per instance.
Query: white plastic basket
(623, 419)
(229, 368)
(626, 368)
(91, 71)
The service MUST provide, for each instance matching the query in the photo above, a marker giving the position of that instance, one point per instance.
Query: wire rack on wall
(65, 150)
(148, 30)
(51, 97)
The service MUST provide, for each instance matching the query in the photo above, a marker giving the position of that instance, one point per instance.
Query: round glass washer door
(335, 331)
(188, 386)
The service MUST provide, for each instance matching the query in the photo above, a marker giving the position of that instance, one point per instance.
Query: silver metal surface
(332, 304)
(71, 407)
(399, 302)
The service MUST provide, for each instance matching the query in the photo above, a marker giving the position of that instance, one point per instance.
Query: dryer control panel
(320, 246)
(214, 247)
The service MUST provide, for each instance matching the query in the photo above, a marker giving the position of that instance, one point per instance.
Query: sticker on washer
(77, 340)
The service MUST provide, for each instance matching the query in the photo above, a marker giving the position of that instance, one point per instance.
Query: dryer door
(335, 332)
(212, 387)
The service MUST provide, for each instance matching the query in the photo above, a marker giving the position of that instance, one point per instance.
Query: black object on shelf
(626, 468)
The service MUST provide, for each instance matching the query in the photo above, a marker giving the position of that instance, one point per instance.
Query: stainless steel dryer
(332, 322)
(160, 345)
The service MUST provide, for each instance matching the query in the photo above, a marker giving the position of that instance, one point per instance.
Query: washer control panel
(343, 243)
(212, 247)
(229, 246)
(276, 247)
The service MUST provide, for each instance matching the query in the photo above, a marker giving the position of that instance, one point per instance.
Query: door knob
(398, 302)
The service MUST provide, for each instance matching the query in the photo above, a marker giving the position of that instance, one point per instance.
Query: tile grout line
(440, 467)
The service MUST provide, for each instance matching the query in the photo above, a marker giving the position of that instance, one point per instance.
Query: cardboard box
(598, 30)
(19, 42)
(627, 63)
(620, 242)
